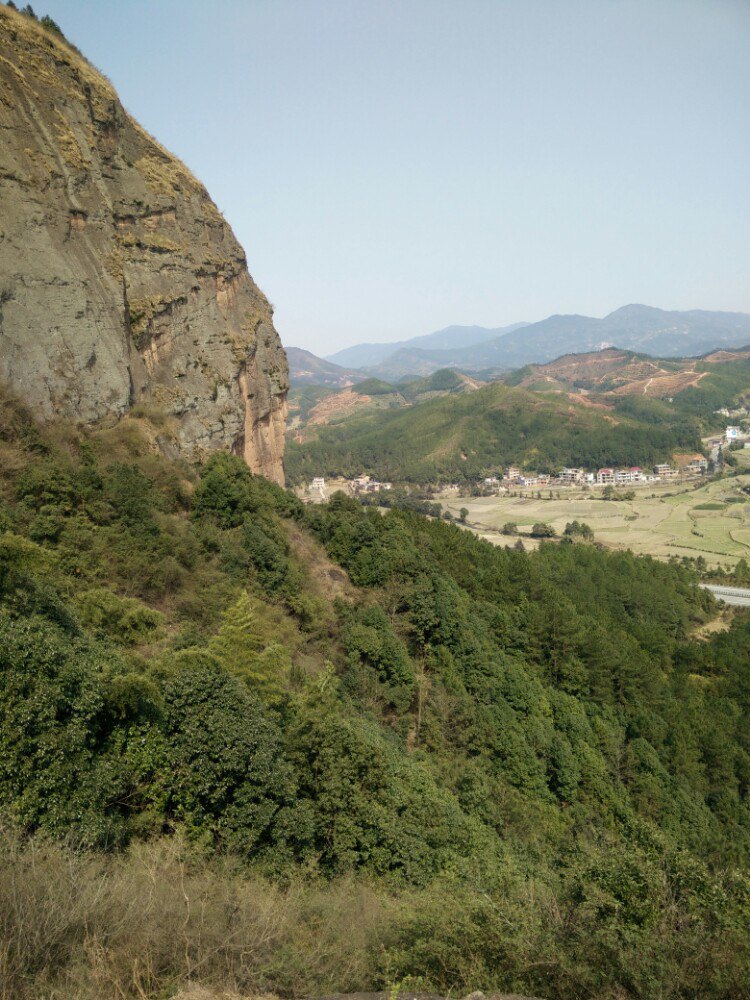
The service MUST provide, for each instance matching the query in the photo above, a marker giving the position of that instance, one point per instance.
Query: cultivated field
(662, 522)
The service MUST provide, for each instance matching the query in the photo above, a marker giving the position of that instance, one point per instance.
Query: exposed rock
(120, 282)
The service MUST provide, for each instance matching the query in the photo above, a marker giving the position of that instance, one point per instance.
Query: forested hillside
(464, 436)
(307, 750)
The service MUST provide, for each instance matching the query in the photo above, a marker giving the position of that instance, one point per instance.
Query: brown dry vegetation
(623, 373)
(337, 407)
(154, 921)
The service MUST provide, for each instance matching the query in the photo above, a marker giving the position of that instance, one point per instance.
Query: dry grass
(328, 580)
(661, 521)
(165, 174)
(155, 922)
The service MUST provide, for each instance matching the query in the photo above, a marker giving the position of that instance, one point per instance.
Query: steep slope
(385, 748)
(120, 282)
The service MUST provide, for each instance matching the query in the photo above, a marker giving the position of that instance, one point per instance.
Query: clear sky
(395, 166)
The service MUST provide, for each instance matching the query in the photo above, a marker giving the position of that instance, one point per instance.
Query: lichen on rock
(120, 282)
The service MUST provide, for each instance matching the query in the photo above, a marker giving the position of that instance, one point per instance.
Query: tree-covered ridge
(724, 384)
(472, 434)
(531, 741)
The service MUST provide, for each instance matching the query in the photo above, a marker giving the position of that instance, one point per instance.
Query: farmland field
(664, 521)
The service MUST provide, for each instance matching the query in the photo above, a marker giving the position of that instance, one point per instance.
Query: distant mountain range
(452, 337)
(306, 368)
(608, 407)
(481, 350)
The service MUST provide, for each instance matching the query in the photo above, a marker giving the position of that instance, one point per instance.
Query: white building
(317, 490)
(733, 433)
(605, 476)
(571, 476)
(664, 471)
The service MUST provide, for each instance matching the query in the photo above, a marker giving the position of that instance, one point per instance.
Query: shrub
(542, 530)
(124, 619)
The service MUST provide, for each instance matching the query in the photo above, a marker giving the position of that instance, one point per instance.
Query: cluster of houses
(514, 476)
(317, 491)
(364, 484)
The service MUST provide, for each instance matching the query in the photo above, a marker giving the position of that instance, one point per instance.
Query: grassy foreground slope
(271, 748)
(467, 435)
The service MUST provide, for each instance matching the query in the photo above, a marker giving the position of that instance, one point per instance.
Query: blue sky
(395, 167)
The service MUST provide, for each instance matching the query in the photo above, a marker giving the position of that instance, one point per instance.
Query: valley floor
(665, 522)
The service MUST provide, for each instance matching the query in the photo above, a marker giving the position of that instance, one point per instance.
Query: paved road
(730, 595)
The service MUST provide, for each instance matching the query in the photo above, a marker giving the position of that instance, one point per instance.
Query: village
(319, 491)
(513, 477)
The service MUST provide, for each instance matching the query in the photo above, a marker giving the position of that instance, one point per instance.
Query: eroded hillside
(624, 372)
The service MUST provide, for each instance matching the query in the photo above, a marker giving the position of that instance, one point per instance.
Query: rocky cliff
(120, 282)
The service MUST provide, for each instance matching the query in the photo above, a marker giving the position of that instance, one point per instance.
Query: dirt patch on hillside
(585, 400)
(721, 623)
(337, 407)
(716, 357)
(328, 580)
(661, 384)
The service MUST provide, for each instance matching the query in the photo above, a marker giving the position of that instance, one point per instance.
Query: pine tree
(241, 650)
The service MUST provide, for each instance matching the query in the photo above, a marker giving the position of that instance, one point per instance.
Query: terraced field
(711, 520)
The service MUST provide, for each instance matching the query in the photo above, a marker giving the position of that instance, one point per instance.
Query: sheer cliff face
(120, 282)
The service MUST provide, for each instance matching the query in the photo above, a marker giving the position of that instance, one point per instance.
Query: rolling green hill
(461, 436)
(309, 750)
(306, 415)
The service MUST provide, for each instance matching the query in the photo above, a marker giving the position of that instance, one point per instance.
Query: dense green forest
(307, 750)
(473, 434)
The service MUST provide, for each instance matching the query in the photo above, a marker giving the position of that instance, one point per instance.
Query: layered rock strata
(120, 282)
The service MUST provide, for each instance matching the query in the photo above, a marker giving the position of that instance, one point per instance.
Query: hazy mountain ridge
(451, 337)
(657, 332)
(306, 368)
